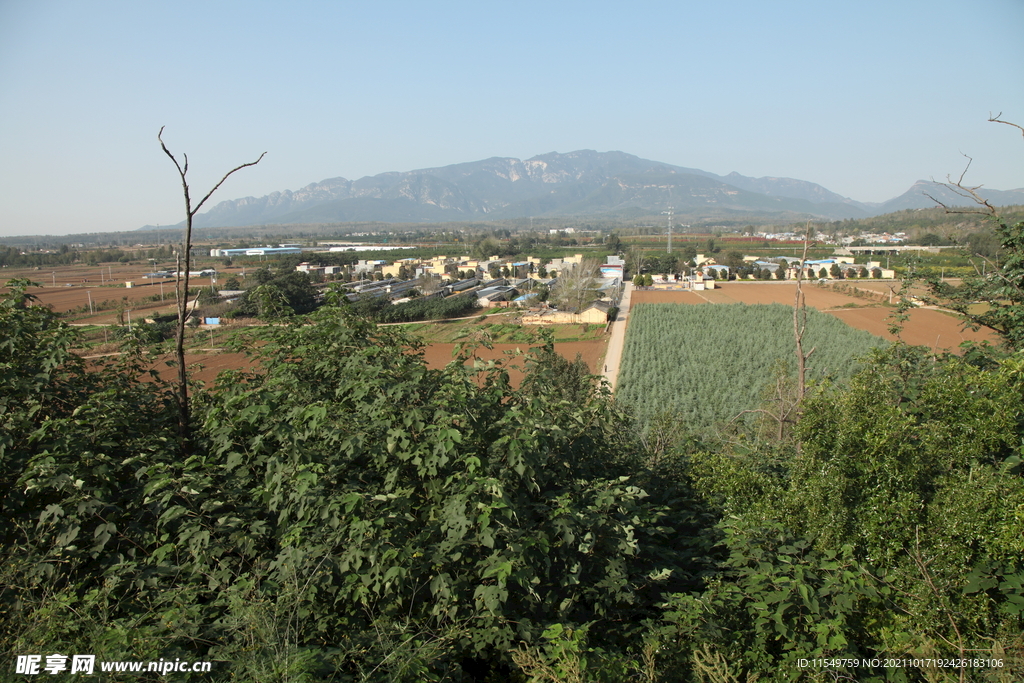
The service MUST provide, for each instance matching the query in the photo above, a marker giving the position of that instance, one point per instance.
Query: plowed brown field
(205, 366)
(926, 327)
(65, 288)
(592, 352)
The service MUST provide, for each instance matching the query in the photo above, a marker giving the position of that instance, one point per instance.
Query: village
(580, 289)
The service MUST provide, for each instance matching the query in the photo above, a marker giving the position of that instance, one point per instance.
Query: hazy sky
(863, 97)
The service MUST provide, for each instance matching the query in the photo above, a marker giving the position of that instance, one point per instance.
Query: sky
(863, 98)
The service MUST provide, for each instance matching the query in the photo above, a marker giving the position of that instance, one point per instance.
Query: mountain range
(584, 183)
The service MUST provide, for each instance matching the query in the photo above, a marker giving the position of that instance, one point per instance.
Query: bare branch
(960, 181)
(237, 168)
(971, 193)
(159, 136)
(958, 188)
(953, 209)
(996, 119)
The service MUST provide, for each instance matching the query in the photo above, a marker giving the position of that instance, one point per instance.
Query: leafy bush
(144, 333)
(435, 308)
(345, 512)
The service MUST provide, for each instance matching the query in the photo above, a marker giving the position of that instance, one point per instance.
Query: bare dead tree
(575, 287)
(637, 258)
(782, 401)
(181, 284)
(800, 321)
(780, 407)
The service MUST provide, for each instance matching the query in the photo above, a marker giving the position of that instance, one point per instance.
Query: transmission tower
(669, 212)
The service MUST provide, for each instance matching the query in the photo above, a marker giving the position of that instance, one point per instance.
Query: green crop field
(709, 363)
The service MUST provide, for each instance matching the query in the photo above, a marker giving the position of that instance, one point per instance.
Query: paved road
(613, 357)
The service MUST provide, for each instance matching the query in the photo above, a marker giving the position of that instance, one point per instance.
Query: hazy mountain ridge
(794, 189)
(920, 195)
(584, 182)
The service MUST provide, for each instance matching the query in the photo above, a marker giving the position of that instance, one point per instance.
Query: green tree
(429, 511)
(207, 296)
(298, 291)
(895, 527)
(1000, 287)
(268, 301)
(734, 259)
(285, 294)
(487, 247)
(262, 276)
(614, 243)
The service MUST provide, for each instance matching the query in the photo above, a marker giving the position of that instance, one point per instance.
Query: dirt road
(617, 340)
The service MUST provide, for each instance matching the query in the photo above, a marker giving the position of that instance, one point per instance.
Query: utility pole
(669, 212)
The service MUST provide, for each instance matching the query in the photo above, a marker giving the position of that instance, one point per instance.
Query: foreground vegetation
(348, 514)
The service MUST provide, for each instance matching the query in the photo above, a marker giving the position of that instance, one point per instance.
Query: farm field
(64, 287)
(926, 327)
(753, 293)
(505, 335)
(592, 352)
(499, 327)
(64, 299)
(590, 343)
(708, 364)
(68, 288)
(205, 365)
(436, 355)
